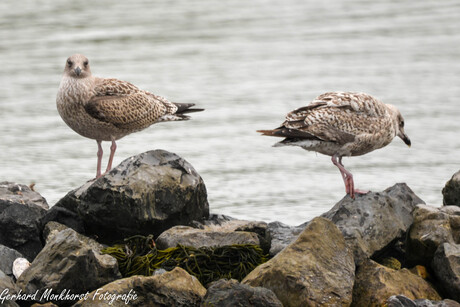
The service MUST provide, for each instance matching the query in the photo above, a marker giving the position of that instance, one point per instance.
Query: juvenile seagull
(342, 124)
(108, 109)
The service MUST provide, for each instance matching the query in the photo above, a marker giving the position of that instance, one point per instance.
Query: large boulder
(7, 257)
(451, 191)
(176, 288)
(432, 226)
(71, 263)
(20, 212)
(403, 301)
(189, 236)
(145, 194)
(229, 293)
(316, 269)
(375, 283)
(446, 267)
(372, 221)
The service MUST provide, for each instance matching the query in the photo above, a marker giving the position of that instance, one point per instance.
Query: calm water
(248, 65)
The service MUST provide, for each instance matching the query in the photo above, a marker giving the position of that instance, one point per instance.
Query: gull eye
(69, 62)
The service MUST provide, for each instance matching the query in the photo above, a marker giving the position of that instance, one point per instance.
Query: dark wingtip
(185, 108)
(193, 110)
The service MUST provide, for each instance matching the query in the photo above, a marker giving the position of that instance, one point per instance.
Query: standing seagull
(108, 109)
(342, 124)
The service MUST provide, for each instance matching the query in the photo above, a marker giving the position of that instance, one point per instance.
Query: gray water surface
(247, 63)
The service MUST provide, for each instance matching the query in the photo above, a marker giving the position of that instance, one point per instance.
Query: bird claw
(358, 192)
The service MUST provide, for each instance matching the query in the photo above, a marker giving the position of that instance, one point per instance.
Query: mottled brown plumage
(109, 109)
(342, 124)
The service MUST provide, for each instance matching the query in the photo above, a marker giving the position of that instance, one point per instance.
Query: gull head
(398, 122)
(77, 66)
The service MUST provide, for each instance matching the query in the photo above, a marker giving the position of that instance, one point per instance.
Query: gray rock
(51, 229)
(7, 257)
(229, 293)
(197, 238)
(372, 221)
(451, 191)
(224, 223)
(176, 288)
(20, 212)
(446, 267)
(68, 263)
(13, 193)
(432, 226)
(280, 235)
(316, 269)
(145, 194)
(7, 287)
(403, 301)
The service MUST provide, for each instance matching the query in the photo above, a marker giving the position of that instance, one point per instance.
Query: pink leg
(344, 177)
(112, 153)
(99, 158)
(347, 178)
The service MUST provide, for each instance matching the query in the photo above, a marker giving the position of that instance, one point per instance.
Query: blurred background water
(248, 63)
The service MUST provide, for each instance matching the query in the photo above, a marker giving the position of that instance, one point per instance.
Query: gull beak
(405, 138)
(78, 71)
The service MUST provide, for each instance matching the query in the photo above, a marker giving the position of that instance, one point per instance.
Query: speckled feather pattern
(108, 109)
(342, 123)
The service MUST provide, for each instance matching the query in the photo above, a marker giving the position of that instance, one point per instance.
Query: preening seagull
(107, 109)
(341, 124)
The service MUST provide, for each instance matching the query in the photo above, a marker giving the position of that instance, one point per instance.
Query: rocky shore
(381, 249)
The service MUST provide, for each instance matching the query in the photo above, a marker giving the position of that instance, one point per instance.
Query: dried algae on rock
(138, 255)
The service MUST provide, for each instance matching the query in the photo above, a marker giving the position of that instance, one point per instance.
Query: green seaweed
(138, 255)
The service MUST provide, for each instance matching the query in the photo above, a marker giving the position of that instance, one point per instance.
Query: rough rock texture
(7, 287)
(432, 227)
(446, 267)
(281, 235)
(69, 263)
(316, 269)
(20, 212)
(224, 223)
(451, 191)
(7, 257)
(372, 221)
(403, 301)
(145, 194)
(175, 288)
(375, 283)
(198, 238)
(229, 293)
(51, 229)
